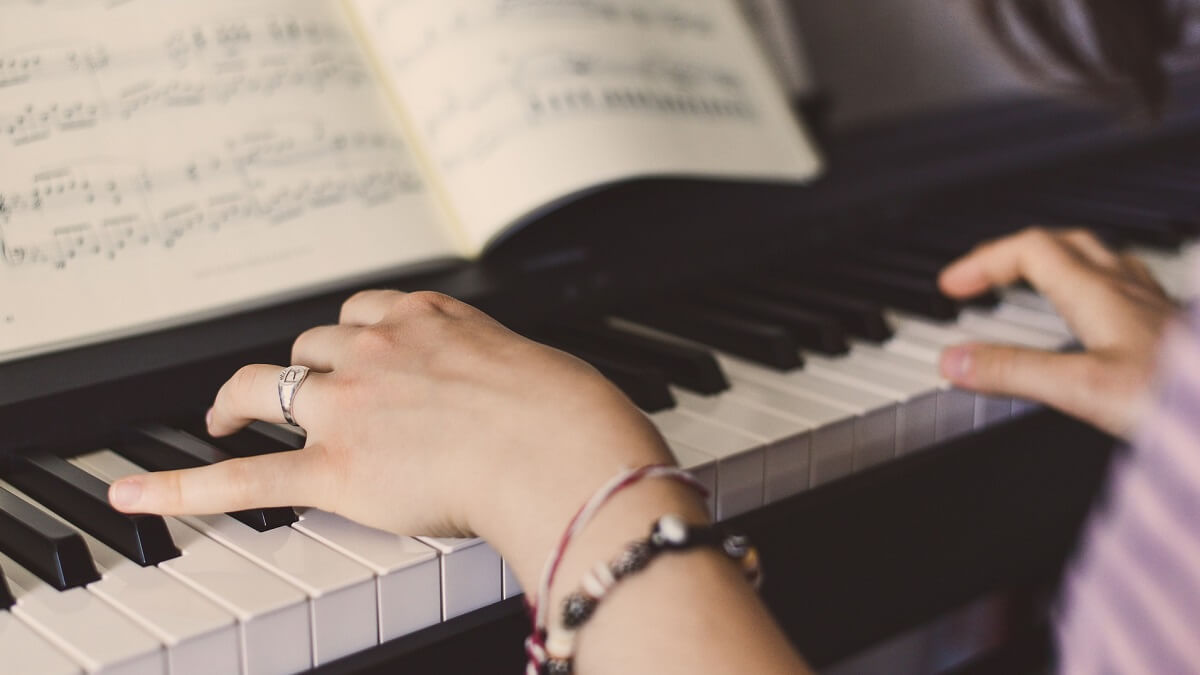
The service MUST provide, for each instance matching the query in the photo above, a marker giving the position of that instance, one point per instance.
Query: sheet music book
(163, 161)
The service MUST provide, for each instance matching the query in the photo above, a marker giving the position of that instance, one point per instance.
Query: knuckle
(371, 341)
(360, 296)
(172, 489)
(1036, 235)
(244, 380)
(1084, 238)
(429, 302)
(298, 346)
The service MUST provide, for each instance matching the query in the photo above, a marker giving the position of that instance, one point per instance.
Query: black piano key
(817, 331)
(644, 384)
(759, 341)
(6, 597)
(1176, 211)
(43, 545)
(860, 318)
(1166, 188)
(157, 447)
(915, 263)
(934, 244)
(257, 438)
(901, 260)
(1182, 204)
(288, 437)
(82, 499)
(689, 367)
(895, 289)
(1132, 224)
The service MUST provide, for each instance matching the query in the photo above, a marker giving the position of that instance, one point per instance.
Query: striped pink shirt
(1131, 604)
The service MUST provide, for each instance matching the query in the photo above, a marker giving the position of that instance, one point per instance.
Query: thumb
(1061, 381)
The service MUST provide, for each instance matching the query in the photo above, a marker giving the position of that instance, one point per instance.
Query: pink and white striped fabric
(1131, 604)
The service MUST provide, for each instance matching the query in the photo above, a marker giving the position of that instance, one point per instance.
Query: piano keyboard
(764, 387)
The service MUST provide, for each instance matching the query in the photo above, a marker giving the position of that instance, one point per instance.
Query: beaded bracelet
(538, 610)
(670, 534)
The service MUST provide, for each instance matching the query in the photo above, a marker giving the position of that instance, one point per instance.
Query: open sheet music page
(163, 160)
(516, 104)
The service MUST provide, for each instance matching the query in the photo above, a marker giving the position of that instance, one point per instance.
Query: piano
(783, 340)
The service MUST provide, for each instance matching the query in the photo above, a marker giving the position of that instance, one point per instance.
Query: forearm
(687, 612)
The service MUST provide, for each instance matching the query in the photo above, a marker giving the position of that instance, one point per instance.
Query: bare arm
(424, 416)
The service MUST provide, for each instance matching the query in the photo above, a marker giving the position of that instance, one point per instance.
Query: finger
(253, 394)
(1138, 269)
(280, 479)
(367, 308)
(1033, 255)
(322, 348)
(1089, 246)
(1062, 381)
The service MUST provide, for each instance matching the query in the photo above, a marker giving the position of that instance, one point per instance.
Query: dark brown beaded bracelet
(670, 534)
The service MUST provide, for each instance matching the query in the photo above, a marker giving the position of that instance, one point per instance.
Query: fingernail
(125, 494)
(208, 418)
(956, 364)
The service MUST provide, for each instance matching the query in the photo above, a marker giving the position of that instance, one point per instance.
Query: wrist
(528, 532)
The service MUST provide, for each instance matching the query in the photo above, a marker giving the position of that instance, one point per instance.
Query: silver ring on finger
(290, 380)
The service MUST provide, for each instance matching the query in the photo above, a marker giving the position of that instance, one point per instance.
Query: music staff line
(293, 54)
(102, 207)
(549, 67)
(676, 18)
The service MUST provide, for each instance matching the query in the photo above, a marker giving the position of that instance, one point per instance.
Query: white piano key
(471, 574)
(991, 410)
(997, 329)
(787, 439)
(407, 572)
(939, 334)
(510, 588)
(916, 414)
(1016, 313)
(342, 605)
(1022, 407)
(273, 615)
(874, 416)
(1027, 299)
(915, 358)
(199, 636)
(832, 444)
(1172, 272)
(27, 653)
(703, 468)
(90, 631)
(978, 327)
(740, 458)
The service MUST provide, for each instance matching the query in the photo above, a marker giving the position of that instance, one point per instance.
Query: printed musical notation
(459, 19)
(206, 64)
(576, 59)
(264, 177)
(555, 83)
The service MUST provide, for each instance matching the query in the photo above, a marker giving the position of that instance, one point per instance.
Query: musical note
(266, 176)
(210, 64)
(579, 60)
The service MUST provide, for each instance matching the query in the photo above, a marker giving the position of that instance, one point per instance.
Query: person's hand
(1110, 301)
(424, 416)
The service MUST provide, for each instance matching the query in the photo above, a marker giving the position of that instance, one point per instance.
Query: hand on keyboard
(424, 416)
(1111, 302)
